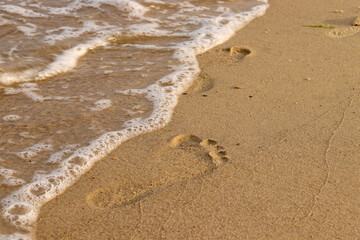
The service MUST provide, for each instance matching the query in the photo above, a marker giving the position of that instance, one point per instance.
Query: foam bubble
(134, 110)
(58, 156)
(34, 150)
(28, 30)
(26, 135)
(148, 29)
(25, 12)
(133, 8)
(27, 89)
(11, 118)
(101, 105)
(7, 177)
(16, 236)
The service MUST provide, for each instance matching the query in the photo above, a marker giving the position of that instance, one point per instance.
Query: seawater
(79, 77)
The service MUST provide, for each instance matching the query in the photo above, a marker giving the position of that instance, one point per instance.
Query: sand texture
(264, 145)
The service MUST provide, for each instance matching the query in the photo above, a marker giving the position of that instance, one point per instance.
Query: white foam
(188, 7)
(223, 9)
(11, 52)
(71, 32)
(101, 105)
(11, 118)
(215, 30)
(26, 135)
(58, 156)
(132, 8)
(9, 78)
(4, 21)
(28, 30)
(147, 29)
(27, 89)
(69, 59)
(16, 236)
(155, 1)
(63, 63)
(8, 178)
(134, 110)
(25, 12)
(34, 150)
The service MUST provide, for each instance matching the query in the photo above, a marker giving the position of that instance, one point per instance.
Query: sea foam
(197, 31)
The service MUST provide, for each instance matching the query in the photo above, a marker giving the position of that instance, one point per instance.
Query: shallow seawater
(79, 77)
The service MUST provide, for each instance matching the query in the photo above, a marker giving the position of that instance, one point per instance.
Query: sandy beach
(264, 145)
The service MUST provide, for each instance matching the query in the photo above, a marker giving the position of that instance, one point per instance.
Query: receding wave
(78, 78)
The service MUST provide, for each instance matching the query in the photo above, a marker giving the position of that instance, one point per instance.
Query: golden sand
(263, 146)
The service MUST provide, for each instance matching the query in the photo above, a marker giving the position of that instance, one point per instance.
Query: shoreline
(164, 99)
(252, 149)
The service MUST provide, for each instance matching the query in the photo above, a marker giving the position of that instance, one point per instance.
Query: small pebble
(250, 96)
(204, 95)
(341, 11)
(184, 93)
(238, 87)
(307, 79)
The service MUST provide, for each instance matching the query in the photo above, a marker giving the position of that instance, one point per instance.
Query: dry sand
(263, 146)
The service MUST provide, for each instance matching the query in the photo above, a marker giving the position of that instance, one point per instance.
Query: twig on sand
(319, 26)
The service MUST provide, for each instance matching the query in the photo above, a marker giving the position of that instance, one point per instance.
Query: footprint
(203, 83)
(344, 32)
(100, 198)
(239, 52)
(191, 157)
(115, 197)
(235, 54)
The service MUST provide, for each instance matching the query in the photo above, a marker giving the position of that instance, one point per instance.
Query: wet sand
(264, 145)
